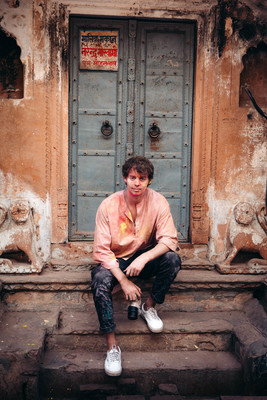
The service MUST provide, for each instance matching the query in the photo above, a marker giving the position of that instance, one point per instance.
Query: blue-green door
(135, 98)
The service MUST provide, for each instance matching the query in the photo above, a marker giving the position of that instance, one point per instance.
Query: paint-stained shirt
(118, 236)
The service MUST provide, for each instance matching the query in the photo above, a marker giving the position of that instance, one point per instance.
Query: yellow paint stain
(123, 227)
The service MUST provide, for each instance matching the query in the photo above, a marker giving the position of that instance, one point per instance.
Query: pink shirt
(118, 236)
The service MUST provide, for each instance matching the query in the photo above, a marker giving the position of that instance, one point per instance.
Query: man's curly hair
(141, 164)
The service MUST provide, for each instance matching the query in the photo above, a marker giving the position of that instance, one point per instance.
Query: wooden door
(136, 99)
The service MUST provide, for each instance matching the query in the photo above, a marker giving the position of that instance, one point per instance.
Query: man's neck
(133, 200)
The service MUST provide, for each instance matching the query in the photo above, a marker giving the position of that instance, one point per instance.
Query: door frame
(204, 127)
(132, 82)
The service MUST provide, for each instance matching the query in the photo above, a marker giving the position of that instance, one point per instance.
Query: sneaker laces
(114, 354)
(152, 313)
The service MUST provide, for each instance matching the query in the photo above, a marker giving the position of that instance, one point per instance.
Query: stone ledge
(80, 281)
(80, 323)
(80, 253)
(174, 360)
(23, 332)
(22, 339)
(194, 372)
(81, 264)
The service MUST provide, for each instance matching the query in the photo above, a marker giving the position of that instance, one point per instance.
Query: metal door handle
(153, 131)
(106, 128)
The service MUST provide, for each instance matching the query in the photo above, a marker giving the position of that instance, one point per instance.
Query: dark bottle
(133, 309)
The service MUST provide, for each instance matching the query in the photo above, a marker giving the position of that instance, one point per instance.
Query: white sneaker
(152, 319)
(113, 361)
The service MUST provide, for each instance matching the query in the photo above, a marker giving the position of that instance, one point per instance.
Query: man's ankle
(149, 304)
(111, 340)
(111, 346)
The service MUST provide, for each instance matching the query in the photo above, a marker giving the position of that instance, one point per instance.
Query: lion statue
(247, 231)
(17, 233)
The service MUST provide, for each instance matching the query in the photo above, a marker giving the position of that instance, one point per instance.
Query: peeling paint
(17, 22)
(259, 157)
(257, 239)
(219, 212)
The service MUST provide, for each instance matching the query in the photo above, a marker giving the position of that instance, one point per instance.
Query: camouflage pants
(163, 268)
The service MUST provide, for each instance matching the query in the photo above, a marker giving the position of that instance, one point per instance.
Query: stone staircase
(213, 344)
(194, 353)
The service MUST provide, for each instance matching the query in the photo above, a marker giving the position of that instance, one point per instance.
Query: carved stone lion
(248, 232)
(17, 233)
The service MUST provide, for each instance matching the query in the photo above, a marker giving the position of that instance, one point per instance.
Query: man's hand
(137, 265)
(130, 290)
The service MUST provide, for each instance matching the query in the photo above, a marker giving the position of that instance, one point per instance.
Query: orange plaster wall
(239, 143)
(34, 129)
(241, 138)
(23, 142)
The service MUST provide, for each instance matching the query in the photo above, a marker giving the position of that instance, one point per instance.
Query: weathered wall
(23, 161)
(238, 170)
(229, 141)
(30, 146)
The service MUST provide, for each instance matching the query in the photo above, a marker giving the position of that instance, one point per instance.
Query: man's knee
(101, 276)
(174, 261)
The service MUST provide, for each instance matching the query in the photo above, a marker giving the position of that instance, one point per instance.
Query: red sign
(99, 50)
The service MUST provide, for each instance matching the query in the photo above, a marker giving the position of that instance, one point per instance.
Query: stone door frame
(203, 126)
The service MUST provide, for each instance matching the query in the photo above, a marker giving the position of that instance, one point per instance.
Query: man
(134, 236)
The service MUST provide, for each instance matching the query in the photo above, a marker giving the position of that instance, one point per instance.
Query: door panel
(95, 142)
(151, 92)
(96, 97)
(166, 74)
(163, 95)
(170, 139)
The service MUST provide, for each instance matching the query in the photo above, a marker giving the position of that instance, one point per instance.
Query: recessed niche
(11, 68)
(254, 77)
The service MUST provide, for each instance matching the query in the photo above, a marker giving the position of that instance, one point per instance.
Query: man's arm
(102, 240)
(166, 237)
(104, 255)
(138, 264)
(130, 290)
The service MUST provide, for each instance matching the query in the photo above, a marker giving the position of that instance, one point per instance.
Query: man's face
(136, 183)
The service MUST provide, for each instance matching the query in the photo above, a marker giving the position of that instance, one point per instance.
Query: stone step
(194, 373)
(192, 290)
(22, 337)
(210, 331)
(23, 332)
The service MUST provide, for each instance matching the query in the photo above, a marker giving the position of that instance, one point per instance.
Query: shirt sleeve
(166, 232)
(102, 240)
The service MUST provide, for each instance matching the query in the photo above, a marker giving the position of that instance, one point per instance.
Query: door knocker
(106, 128)
(153, 131)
